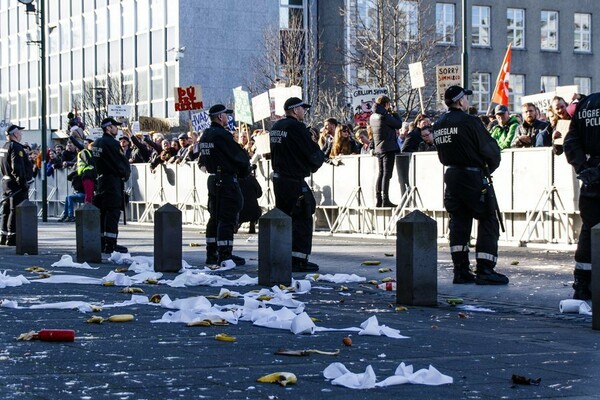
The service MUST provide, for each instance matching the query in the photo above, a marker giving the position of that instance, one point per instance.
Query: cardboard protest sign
(446, 76)
(541, 100)
(188, 98)
(567, 92)
(155, 124)
(261, 106)
(417, 79)
(115, 110)
(262, 143)
(242, 109)
(363, 99)
(200, 121)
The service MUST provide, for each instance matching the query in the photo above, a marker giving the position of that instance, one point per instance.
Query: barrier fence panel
(537, 193)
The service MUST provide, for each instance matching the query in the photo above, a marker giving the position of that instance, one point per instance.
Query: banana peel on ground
(209, 322)
(307, 352)
(131, 290)
(371, 262)
(282, 378)
(223, 337)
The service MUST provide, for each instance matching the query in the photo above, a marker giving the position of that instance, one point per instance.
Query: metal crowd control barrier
(537, 193)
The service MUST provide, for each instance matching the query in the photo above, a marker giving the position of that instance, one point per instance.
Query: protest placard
(362, 100)
(242, 109)
(188, 98)
(200, 121)
(446, 76)
(540, 100)
(115, 110)
(155, 124)
(261, 106)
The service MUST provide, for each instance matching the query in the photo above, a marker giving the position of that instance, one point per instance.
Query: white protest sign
(95, 133)
(242, 109)
(115, 110)
(567, 92)
(446, 76)
(200, 121)
(135, 127)
(261, 106)
(541, 100)
(417, 79)
(363, 100)
(262, 143)
(279, 96)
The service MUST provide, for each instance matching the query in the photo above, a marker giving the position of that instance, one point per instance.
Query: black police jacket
(583, 137)
(15, 164)
(109, 158)
(220, 153)
(293, 152)
(461, 140)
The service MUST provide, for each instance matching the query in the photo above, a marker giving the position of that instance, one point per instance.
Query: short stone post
(275, 249)
(27, 228)
(87, 234)
(596, 277)
(416, 260)
(167, 239)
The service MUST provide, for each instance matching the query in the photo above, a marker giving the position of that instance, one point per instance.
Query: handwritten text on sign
(188, 98)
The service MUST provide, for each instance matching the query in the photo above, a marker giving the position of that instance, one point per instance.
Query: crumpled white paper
(336, 278)
(341, 376)
(471, 308)
(78, 279)
(11, 281)
(371, 327)
(9, 303)
(575, 306)
(67, 261)
(192, 278)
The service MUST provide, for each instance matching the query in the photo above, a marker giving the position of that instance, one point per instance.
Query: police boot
(379, 200)
(3, 239)
(463, 274)
(487, 276)
(212, 256)
(110, 246)
(303, 265)
(581, 285)
(386, 201)
(11, 240)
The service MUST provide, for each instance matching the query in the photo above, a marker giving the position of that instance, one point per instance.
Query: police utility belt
(278, 175)
(223, 176)
(472, 169)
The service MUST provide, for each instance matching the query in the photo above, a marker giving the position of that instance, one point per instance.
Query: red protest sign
(188, 98)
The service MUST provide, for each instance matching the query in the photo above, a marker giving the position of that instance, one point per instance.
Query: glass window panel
(65, 97)
(114, 26)
(480, 26)
(76, 7)
(158, 47)
(101, 25)
(157, 83)
(53, 104)
(33, 103)
(158, 109)
(172, 16)
(128, 54)
(127, 21)
(23, 105)
(89, 29)
(158, 13)
(171, 80)
(115, 55)
(76, 34)
(582, 33)
(34, 74)
(143, 109)
(143, 9)
(584, 83)
(65, 35)
(549, 30)
(23, 76)
(54, 69)
(89, 61)
(515, 24)
(548, 83)
(77, 64)
(481, 90)
(142, 85)
(142, 49)
(444, 18)
(408, 11)
(516, 90)
(101, 58)
(65, 67)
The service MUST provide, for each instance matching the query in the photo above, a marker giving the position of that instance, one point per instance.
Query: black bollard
(167, 239)
(416, 260)
(27, 228)
(275, 249)
(596, 277)
(87, 234)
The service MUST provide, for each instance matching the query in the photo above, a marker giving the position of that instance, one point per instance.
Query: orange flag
(501, 92)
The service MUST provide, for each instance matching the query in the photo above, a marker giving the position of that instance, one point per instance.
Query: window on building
(156, 77)
(292, 36)
(364, 78)
(515, 27)
(583, 32)
(584, 83)
(444, 23)
(143, 15)
(549, 30)
(516, 90)
(409, 17)
(480, 84)
(126, 20)
(548, 83)
(366, 18)
(480, 26)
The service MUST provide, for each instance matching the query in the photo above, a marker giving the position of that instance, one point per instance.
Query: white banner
(417, 79)
(261, 106)
(115, 110)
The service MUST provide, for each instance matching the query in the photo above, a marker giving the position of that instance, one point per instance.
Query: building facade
(135, 52)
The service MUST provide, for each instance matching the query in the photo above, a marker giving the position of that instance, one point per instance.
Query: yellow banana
(264, 297)
(95, 308)
(223, 337)
(131, 290)
(283, 378)
(96, 319)
(108, 283)
(35, 269)
(203, 322)
(388, 279)
(121, 269)
(151, 281)
(373, 282)
(370, 262)
(386, 269)
(120, 318)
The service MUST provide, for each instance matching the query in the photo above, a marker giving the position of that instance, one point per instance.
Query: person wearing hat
(113, 170)
(470, 153)
(582, 150)
(504, 131)
(225, 161)
(294, 156)
(17, 171)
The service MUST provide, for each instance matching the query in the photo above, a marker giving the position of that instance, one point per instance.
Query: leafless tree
(389, 35)
(92, 103)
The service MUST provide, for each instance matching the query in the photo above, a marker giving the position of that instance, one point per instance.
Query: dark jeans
(224, 204)
(386, 169)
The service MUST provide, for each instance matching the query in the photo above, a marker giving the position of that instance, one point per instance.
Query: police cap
(106, 122)
(218, 109)
(294, 102)
(455, 93)
(13, 129)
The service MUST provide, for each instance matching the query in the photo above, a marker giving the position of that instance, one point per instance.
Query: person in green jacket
(504, 132)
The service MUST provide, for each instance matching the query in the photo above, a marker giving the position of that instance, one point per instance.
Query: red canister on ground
(56, 335)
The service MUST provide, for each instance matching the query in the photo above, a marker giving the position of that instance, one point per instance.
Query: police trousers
(9, 215)
(589, 208)
(467, 197)
(110, 202)
(224, 204)
(294, 198)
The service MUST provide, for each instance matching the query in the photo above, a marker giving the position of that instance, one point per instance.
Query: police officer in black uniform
(470, 153)
(294, 156)
(16, 173)
(113, 170)
(225, 161)
(582, 149)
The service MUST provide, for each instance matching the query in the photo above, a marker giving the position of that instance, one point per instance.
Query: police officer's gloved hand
(589, 176)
